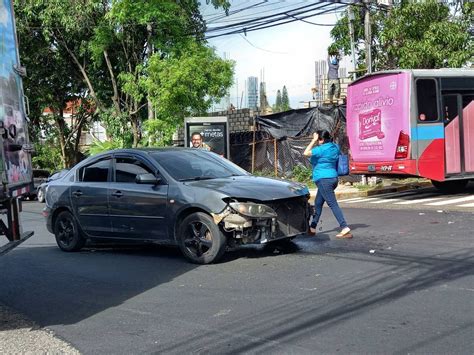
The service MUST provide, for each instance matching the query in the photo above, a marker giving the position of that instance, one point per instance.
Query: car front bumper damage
(289, 219)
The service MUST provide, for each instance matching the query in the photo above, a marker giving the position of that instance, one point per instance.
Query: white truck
(15, 149)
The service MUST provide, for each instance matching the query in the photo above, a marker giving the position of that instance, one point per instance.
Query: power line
(273, 17)
(253, 15)
(313, 23)
(283, 18)
(262, 49)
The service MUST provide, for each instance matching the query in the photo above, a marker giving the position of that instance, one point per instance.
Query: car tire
(200, 239)
(67, 233)
(40, 195)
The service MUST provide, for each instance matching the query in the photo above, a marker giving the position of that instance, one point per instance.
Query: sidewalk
(20, 335)
(350, 191)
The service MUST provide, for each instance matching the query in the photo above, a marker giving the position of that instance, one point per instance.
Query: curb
(375, 191)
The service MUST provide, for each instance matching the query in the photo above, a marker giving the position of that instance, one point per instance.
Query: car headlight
(254, 210)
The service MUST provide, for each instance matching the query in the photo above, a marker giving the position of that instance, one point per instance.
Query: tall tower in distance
(321, 68)
(321, 81)
(252, 92)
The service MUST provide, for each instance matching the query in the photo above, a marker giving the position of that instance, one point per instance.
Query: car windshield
(186, 165)
(58, 174)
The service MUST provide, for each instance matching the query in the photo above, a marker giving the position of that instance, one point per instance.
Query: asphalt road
(414, 293)
(427, 198)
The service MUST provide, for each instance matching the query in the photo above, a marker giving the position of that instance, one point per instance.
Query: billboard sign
(210, 133)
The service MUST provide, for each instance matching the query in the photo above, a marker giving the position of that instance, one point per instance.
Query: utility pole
(351, 17)
(368, 37)
(149, 29)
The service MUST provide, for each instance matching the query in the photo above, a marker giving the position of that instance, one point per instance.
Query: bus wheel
(452, 186)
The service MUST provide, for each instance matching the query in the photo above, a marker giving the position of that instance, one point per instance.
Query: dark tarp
(303, 122)
(286, 135)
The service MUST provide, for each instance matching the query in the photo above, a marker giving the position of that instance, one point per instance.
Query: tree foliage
(134, 60)
(416, 35)
(277, 107)
(282, 101)
(285, 100)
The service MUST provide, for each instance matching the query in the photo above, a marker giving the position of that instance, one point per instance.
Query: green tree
(426, 34)
(187, 82)
(111, 46)
(285, 100)
(278, 102)
(51, 83)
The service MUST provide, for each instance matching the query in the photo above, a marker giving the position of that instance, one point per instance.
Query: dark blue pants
(326, 194)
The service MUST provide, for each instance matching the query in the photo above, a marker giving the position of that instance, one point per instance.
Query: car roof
(140, 151)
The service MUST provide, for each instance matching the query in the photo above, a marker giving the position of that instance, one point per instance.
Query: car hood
(252, 187)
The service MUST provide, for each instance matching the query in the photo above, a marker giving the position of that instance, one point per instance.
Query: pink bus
(413, 123)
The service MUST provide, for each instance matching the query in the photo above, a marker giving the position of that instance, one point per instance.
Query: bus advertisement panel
(377, 116)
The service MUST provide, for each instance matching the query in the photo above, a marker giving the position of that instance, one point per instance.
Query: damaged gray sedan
(191, 198)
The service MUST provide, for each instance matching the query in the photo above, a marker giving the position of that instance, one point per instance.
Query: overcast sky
(285, 54)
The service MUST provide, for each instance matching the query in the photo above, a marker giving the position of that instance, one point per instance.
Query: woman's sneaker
(345, 233)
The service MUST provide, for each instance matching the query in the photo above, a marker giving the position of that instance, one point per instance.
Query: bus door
(458, 115)
(429, 131)
(454, 149)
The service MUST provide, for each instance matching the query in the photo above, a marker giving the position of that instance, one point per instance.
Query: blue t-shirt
(324, 161)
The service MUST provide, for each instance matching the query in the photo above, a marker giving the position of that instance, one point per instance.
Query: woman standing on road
(324, 161)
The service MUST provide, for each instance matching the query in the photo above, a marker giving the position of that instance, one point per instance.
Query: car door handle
(77, 193)
(117, 194)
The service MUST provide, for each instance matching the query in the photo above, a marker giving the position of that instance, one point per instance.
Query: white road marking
(449, 202)
(466, 205)
(412, 202)
(351, 199)
(386, 201)
(364, 200)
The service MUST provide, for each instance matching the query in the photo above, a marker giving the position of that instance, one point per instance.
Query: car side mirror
(148, 178)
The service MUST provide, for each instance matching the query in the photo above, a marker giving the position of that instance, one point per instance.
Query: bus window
(427, 100)
(467, 100)
(450, 105)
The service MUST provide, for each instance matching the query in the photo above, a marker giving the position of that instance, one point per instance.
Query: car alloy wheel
(66, 231)
(40, 195)
(198, 238)
(201, 240)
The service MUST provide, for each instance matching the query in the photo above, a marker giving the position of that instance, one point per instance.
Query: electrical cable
(270, 24)
(305, 8)
(262, 49)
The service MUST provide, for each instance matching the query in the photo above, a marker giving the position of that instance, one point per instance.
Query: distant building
(320, 68)
(342, 72)
(96, 131)
(252, 92)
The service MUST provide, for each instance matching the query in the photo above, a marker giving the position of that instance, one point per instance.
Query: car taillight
(403, 146)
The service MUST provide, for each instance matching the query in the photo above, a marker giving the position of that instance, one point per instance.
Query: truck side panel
(16, 162)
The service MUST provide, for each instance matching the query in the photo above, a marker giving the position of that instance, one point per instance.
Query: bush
(47, 156)
(302, 174)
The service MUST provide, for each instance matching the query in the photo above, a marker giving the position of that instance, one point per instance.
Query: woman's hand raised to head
(315, 136)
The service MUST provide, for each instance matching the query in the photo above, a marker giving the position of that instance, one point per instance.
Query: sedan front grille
(292, 216)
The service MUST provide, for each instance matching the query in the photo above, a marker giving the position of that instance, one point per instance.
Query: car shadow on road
(53, 287)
